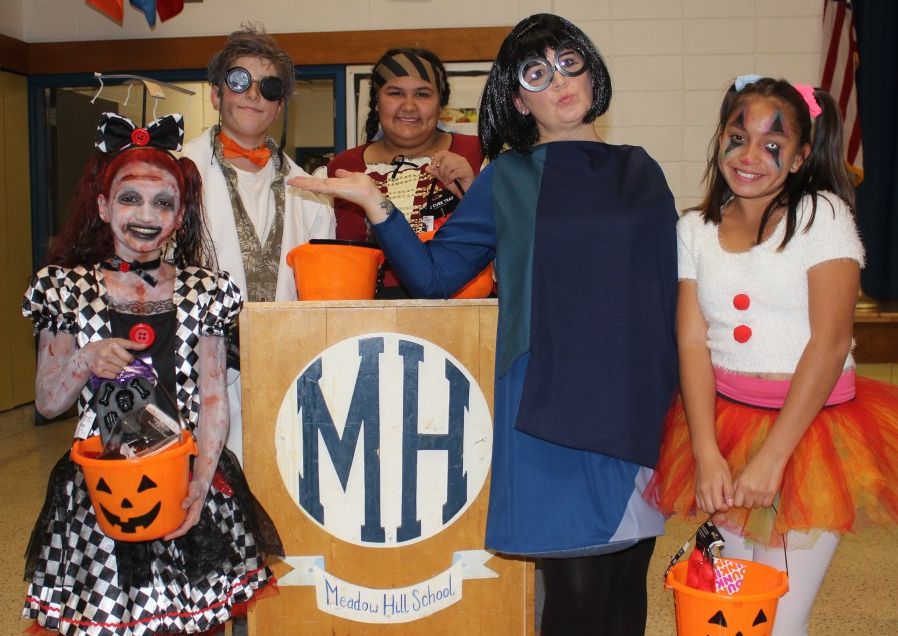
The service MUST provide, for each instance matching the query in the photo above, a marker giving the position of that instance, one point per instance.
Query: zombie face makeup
(760, 148)
(143, 210)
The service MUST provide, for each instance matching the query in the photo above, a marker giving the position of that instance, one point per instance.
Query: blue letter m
(364, 409)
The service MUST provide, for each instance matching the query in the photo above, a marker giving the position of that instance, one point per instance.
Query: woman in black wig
(583, 234)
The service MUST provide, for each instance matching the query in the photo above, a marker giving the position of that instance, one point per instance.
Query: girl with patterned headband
(129, 294)
(422, 168)
(775, 435)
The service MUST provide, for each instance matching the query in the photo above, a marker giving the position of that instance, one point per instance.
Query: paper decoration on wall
(115, 8)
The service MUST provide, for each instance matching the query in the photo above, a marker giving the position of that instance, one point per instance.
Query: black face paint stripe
(778, 125)
(731, 146)
(775, 153)
(740, 119)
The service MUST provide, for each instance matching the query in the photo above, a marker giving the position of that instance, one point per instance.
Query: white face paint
(143, 210)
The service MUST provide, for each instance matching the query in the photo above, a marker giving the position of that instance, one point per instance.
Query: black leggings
(601, 595)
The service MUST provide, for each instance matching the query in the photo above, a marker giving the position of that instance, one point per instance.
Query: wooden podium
(367, 431)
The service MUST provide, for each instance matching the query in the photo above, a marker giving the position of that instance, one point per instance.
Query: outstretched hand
(106, 358)
(356, 187)
(452, 170)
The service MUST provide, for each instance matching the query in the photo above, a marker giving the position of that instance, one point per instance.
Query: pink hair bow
(807, 92)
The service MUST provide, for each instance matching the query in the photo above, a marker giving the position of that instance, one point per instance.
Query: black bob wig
(499, 122)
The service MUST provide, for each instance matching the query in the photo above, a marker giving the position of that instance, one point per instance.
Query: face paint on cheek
(739, 122)
(733, 145)
(775, 154)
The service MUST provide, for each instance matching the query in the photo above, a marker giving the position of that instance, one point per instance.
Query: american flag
(839, 64)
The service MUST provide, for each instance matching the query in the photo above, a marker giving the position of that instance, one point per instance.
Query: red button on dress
(742, 333)
(741, 301)
(142, 333)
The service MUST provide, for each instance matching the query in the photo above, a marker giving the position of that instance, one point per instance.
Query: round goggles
(535, 73)
(271, 88)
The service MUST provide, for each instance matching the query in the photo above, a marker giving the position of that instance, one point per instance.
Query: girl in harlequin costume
(775, 435)
(133, 252)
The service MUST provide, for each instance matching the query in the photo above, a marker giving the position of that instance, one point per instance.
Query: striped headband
(407, 64)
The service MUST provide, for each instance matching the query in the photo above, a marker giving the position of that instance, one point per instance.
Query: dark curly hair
(499, 122)
(823, 170)
(86, 239)
(372, 123)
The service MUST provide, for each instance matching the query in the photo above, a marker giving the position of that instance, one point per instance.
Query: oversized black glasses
(271, 88)
(535, 73)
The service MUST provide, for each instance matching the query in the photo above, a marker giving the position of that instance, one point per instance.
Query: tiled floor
(859, 596)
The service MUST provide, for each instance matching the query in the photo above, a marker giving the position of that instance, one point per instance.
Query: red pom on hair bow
(140, 137)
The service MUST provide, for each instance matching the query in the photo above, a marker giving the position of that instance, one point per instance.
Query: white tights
(807, 567)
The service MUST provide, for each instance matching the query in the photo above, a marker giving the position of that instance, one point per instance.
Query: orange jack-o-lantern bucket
(328, 269)
(749, 611)
(137, 499)
(478, 287)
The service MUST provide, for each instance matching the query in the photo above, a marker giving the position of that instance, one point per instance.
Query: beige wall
(16, 341)
(670, 59)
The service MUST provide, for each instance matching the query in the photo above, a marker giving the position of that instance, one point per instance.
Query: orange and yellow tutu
(842, 475)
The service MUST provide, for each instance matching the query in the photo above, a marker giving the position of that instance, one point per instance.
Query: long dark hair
(499, 122)
(372, 123)
(86, 239)
(823, 169)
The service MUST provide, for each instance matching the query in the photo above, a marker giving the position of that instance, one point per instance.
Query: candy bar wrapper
(708, 538)
(144, 431)
(728, 576)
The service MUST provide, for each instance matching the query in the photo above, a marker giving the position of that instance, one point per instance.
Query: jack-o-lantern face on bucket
(738, 622)
(124, 509)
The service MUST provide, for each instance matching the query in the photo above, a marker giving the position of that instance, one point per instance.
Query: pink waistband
(771, 394)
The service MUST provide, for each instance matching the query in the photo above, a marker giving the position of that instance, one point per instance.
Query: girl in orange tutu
(774, 434)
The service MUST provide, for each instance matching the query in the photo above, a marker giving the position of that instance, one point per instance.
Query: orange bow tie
(231, 150)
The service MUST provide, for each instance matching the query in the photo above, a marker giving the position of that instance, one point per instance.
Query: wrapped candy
(131, 410)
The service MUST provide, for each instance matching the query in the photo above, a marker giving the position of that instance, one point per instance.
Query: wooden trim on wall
(13, 55)
(333, 47)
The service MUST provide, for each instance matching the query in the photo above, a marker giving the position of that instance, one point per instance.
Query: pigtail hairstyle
(499, 122)
(85, 238)
(826, 162)
(822, 170)
(192, 240)
(372, 123)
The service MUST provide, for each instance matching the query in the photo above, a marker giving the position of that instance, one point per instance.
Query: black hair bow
(116, 133)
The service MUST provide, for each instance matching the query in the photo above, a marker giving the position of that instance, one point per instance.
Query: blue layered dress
(584, 241)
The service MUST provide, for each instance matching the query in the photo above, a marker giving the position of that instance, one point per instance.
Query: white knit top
(756, 302)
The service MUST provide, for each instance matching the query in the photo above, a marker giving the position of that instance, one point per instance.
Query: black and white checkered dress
(83, 582)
